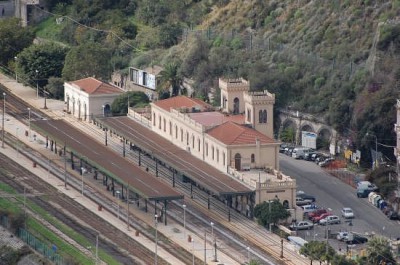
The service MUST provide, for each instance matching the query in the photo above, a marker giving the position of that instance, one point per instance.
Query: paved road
(333, 193)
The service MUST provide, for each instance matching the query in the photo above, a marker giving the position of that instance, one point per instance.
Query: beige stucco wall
(205, 147)
(91, 105)
(265, 156)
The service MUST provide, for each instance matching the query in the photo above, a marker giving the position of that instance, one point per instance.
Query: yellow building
(236, 138)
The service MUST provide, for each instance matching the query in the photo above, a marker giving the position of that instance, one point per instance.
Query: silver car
(329, 220)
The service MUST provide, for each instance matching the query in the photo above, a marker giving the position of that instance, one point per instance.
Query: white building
(89, 97)
(237, 138)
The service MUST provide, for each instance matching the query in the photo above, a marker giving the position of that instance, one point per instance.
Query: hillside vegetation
(335, 59)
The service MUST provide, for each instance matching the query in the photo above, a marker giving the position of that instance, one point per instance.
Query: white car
(302, 225)
(329, 220)
(347, 213)
(343, 236)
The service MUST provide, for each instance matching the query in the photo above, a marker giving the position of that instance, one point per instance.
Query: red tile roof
(93, 86)
(231, 133)
(213, 118)
(182, 102)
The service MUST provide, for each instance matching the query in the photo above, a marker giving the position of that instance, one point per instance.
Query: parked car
(316, 213)
(301, 201)
(282, 148)
(317, 218)
(347, 213)
(343, 236)
(302, 225)
(364, 188)
(309, 208)
(393, 215)
(356, 239)
(306, 197)
(330, 220)
(326, 162)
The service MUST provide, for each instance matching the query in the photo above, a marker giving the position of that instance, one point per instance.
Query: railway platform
(54, 109)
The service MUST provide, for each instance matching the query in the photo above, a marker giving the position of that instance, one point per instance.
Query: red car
(316, 219)
(316, 213)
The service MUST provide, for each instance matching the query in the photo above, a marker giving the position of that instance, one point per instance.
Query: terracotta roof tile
(231, 133)
(182, 102)
(93, 86)
(213, 118)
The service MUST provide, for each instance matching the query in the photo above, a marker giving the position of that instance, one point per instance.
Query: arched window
(248, 114)
(176, 131)
(265, 116)
(206, 149)
(187, 138)
(170, 128)
(223, 102)
(181, 135)
(253, 159)
(260, 116)
(198, 144)
(236, 106)
(212, 152)
(154, 119)
(192, 141)
(238, 161)
(223, 158)
(217, 155)
(159, 122)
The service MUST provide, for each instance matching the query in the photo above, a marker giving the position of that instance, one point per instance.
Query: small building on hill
(89, 97)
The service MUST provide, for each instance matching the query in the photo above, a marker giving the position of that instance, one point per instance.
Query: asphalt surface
(332, 193)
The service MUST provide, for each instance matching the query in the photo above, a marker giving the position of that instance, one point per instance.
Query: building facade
(89, 97)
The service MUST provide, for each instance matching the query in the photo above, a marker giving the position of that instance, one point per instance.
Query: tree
(270, 212)
(378, 251)
(38, 63)
(13, 39)
(120, 104)
(171, 78)
(342, 260)
(56, 87)
(317, 250)
(86, 60)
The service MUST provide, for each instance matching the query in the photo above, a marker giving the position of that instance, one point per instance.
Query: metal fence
(49, 252)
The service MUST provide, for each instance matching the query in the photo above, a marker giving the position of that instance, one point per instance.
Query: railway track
(132, 252)
(259, 239)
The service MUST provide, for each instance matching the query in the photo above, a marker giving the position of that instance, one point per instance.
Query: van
(299, 152)
(364, 188)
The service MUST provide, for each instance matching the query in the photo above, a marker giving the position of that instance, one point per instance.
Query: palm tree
(378, 251)
(170, 78)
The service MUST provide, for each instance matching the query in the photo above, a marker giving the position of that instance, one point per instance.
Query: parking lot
(333, 194)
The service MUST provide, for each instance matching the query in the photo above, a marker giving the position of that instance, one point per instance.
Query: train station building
(236, 138)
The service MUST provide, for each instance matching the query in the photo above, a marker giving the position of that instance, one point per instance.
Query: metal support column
(105, 135)
(165, 212)
(123, 149)
(173, 178)
(72, 160)
(156, 167)
(140, 160)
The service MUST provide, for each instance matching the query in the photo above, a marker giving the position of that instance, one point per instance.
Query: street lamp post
(269, 215)
(192, 251)
(212, 230)
(16, 74)
(4, 113)
(29, 117)
(248, 254)
(118, 196)
(83, 171)
(37, 84)
(376, 149)
(184, 221)
(156, 221)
